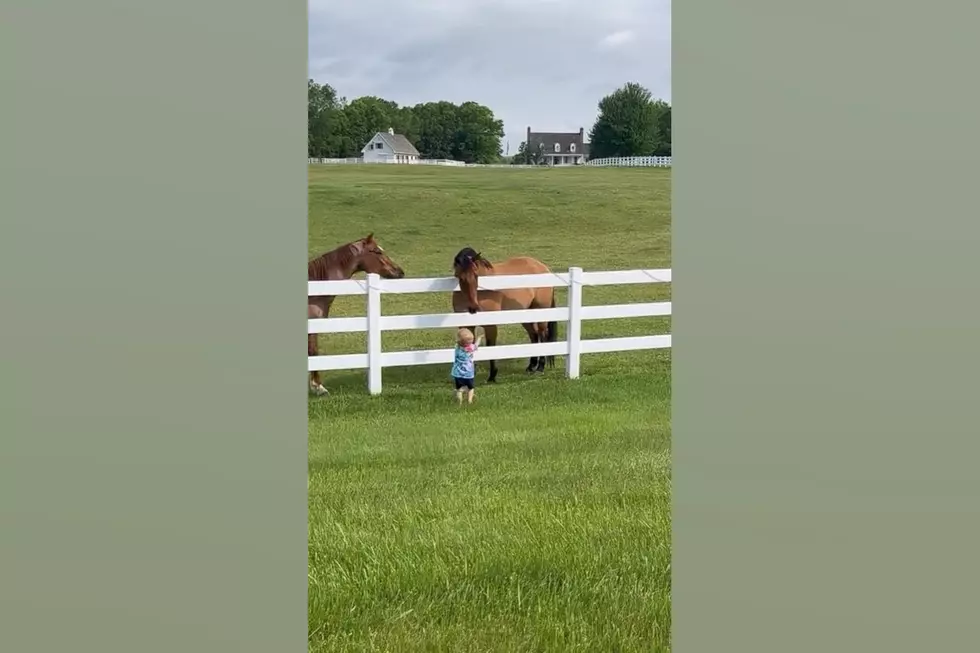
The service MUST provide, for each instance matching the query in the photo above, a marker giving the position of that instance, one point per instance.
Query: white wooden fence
(632, 161)
(612, 162)
(573, 314)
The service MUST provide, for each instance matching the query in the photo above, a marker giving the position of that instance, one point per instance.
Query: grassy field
(537, 519)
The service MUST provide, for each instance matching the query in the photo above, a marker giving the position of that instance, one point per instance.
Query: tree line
(630, 123)
(439, 130)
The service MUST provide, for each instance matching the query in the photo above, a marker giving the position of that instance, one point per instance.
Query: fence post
(374, 333)
(574, 329)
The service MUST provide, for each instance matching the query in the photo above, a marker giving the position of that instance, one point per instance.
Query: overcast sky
(543, 63)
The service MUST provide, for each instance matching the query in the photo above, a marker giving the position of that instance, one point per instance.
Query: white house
(389, 147)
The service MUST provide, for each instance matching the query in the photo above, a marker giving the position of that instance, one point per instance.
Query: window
(557, 147)
(571, 147)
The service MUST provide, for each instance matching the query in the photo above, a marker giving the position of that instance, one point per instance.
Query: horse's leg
(315, 311)
(532, 334)
(311, 350)
(538, 332)
(547, 331)
(490, 331)
(542, 331)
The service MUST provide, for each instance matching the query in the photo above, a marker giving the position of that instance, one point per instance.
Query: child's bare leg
(469, 396)
(459, 395)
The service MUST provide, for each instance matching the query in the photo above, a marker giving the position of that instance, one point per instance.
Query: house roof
(564, 139)
(397, 142)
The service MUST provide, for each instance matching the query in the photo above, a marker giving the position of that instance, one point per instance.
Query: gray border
(152, 491)
(825, 329)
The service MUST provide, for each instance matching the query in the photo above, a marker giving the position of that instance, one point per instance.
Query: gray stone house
(559, 148)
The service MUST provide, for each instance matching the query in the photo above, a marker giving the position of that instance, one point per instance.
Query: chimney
(581, 134)
(391, 130)
(528, 140)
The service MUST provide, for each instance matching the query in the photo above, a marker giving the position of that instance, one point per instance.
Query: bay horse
(364, 255)
(469, 265)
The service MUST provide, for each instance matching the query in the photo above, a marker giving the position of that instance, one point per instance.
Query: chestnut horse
(469, 266)
(364, 255)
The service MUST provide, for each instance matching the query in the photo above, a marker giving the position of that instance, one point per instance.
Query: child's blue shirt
(463, 367)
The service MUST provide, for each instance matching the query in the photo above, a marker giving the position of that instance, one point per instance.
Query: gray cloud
(544, 63)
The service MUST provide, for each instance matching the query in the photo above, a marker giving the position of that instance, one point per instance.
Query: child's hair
(464, 337)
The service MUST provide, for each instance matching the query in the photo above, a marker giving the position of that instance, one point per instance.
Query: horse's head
(372, 259)
(466, 269)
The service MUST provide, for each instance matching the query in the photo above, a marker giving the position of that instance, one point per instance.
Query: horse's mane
(470, 258)
(318, 269)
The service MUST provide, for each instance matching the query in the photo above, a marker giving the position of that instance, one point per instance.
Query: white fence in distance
(632, 162)
(417, 162)
(611, 162)
(572, 348)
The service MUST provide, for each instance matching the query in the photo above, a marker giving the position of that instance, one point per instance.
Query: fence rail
(374, 323)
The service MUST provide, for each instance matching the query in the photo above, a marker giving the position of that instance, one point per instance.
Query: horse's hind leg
(532, 334)
(538, 332)
(542, 328)
(311, 350)
(317, 308)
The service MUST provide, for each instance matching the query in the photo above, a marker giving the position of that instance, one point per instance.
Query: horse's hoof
(319, 391)
(491, 380)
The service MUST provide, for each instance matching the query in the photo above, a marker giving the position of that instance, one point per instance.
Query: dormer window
(571, 147)
(557, 147)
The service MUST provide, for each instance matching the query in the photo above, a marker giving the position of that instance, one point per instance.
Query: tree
(405, 122)
(534, 156)
(663, 127)
(478, 134)
(368, 115)
(326, 130)
(630, 123)
(438, 124)
(320, 97)
(468, 132)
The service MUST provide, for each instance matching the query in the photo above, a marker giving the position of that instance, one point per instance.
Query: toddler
(464, 369)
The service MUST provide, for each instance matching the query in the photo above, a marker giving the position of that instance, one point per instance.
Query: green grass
(537, 519)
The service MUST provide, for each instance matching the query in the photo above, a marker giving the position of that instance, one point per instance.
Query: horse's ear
(369, 238)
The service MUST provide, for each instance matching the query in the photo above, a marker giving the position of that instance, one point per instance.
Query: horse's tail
(552, 333)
